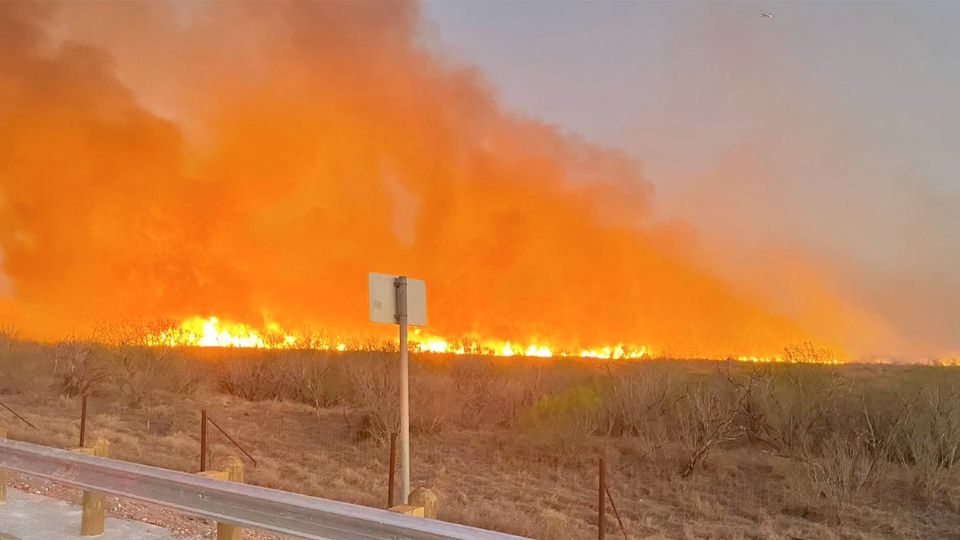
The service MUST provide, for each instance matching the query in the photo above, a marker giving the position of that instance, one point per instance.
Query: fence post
(393, 468)
(601, 498)
(203, 440)
(3, 475)
(94, 505)
(83, 419)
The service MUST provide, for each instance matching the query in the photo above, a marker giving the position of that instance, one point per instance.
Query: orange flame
(214, 332)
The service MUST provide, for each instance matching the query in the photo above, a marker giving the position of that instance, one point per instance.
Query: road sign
(383, 300)
(400, 300)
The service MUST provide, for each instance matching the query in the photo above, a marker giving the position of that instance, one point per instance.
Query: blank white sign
(383, 300)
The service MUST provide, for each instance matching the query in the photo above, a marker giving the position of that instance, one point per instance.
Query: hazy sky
(832, 129)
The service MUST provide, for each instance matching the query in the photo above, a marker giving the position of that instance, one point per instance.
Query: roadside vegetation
(694, 448)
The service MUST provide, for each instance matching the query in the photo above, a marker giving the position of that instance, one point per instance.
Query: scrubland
(694, 449)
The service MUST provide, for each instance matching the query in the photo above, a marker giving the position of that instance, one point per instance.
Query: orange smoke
(255, 161)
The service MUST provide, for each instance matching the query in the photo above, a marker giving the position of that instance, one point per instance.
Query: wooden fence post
(83, 420)
(601, 498)
(94, 503)
(203, 440)
(3, 475)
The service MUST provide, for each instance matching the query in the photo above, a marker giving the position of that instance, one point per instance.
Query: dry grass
(693, 451)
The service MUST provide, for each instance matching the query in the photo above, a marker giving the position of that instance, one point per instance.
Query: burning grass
(694, 448)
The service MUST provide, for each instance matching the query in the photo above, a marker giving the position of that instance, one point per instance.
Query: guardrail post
(427, 499)
(232, 472)
(3, 475)
(94, 503)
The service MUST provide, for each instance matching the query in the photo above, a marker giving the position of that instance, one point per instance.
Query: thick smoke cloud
(249, 159)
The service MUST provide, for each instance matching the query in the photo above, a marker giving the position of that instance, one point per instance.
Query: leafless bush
(794, 411)
(472, 381)
(433, 403)
(485, 395)
(253, 378)
(634, 397)
(136, 371)
(853, 455)
(315, 383)
(713, 414)
(77, 370)
(375, 385)
(841, 470)
(23, 365)
(883, 417)
(930, 446)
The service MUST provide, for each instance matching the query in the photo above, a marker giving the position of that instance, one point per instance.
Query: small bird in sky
(766, 15)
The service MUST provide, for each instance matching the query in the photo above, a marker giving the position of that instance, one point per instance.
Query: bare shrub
(375, 385)
(930, 446)
(635, 396)
(883, 417)
(853, 454)
(712, 414)
(315, 383)
(76, 369)
(24, 366)
(137, 371)
(794, 411)
(472, 381)
(254, 378)
(433, 403)
(842, 469)
(486, 395)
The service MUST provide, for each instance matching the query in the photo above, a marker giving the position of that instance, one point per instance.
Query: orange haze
(254, 161)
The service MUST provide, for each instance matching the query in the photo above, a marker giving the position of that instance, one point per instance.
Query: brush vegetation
(695, 449)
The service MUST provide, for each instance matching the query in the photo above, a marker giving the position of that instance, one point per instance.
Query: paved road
(26, 516)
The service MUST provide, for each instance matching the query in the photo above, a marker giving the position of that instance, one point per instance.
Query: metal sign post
(402, 301)
(401, 284)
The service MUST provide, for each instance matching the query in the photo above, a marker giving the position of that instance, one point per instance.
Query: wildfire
(777, 359)
(214, 332)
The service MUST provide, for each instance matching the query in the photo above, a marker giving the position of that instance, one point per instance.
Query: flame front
(214, 332)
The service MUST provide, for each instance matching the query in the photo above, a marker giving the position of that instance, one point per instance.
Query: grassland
(694, 449)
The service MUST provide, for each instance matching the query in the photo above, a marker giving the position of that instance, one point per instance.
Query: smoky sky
(256, 160)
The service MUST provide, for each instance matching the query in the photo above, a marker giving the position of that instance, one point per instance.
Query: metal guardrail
(244, 505)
